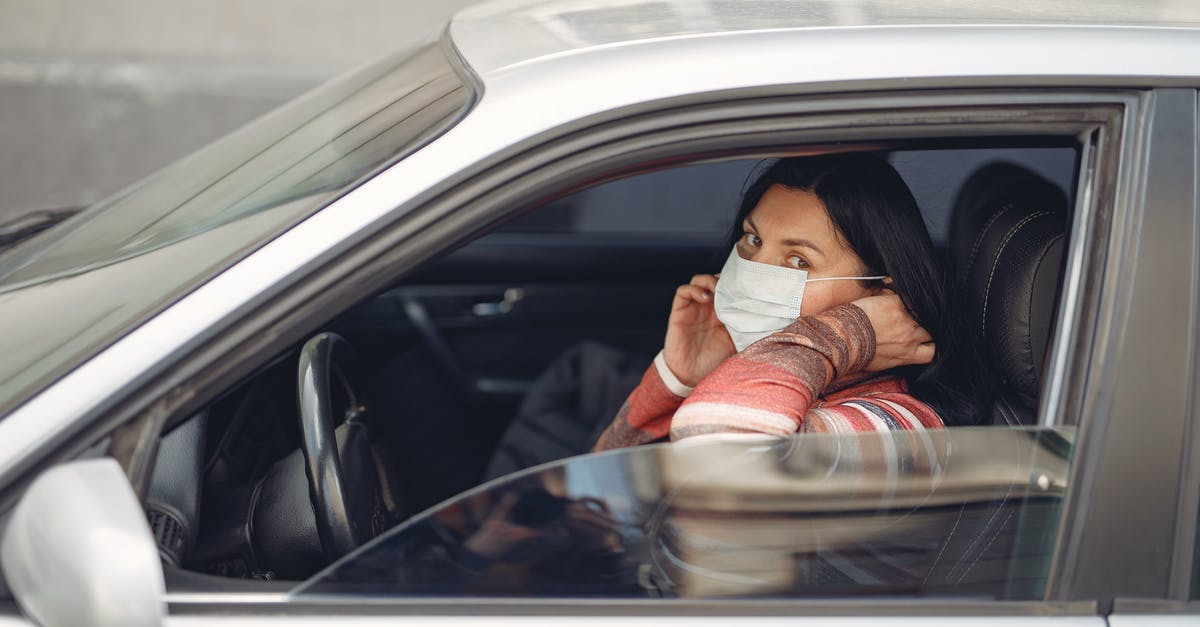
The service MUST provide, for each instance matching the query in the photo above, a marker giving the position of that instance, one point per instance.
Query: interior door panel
(457, 345)
(494, 313)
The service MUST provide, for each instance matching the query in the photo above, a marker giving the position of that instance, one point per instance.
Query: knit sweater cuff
(677, 387)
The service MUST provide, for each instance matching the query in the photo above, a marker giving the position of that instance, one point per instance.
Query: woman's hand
(899, 339)
(696, 340)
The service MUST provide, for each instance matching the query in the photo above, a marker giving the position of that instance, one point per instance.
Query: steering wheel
(342, 481)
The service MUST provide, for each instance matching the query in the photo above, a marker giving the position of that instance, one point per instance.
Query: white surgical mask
(754, 300)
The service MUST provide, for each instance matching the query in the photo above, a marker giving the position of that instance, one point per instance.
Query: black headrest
(1007, 241)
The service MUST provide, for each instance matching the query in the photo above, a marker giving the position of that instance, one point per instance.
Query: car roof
(501, 34)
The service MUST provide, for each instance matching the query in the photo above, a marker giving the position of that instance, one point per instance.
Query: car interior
(420, 384)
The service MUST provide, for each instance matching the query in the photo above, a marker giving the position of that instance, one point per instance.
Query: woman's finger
(924, 353)
(706, 281)
(693, 293)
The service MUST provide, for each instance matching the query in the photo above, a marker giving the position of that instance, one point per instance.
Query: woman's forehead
(786, 213)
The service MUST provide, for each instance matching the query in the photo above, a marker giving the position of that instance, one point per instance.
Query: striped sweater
(806, 377)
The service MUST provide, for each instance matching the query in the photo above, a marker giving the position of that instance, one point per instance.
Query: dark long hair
(875, 212)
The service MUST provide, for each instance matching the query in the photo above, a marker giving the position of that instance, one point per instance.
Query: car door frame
(622, 143)
(1179, 603)
(1126, 462)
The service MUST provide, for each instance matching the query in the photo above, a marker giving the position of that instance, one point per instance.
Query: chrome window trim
(1054, 399)
(479, 609)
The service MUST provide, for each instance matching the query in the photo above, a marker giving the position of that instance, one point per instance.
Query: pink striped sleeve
(768, 387)
(645, 416)
(895, 411)
(772, 386)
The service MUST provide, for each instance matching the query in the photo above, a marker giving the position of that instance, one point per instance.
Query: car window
(960, 512)
(519, 348)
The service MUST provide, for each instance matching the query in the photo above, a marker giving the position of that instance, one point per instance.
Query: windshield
(957, 512)
(301, 155)
(73, 289)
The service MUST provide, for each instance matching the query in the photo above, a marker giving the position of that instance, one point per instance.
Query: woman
(830, 314)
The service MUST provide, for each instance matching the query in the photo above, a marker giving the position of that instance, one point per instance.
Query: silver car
(276, 382)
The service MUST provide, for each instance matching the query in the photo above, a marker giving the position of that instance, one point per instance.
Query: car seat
(1007, 238)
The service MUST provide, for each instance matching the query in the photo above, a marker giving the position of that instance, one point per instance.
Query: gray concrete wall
(96, 95)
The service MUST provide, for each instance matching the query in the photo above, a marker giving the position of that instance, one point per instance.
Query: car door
(1098, 114)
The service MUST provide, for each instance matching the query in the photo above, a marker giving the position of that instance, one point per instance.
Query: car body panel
(498, 35)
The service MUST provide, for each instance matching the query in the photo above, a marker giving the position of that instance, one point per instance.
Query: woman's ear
(880, 286)
(877, 287)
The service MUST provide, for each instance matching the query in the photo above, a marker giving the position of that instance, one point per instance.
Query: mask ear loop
(849, 278)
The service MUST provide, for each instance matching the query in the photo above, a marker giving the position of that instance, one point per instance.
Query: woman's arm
(696, 342)
(769, 387)
(645, 416)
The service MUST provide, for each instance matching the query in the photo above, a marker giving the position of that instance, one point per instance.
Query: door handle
(512, 296)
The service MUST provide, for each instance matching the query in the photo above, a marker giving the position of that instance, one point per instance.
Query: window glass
(958, 512)
(199, 216)
(297, 157)
(507, 355)
(935, 176)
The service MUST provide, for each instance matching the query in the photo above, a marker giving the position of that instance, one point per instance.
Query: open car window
(518, 348)
(962, 512)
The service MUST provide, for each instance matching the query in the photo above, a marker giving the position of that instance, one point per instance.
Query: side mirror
(78, 550)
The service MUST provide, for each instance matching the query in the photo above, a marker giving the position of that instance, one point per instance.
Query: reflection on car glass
(960, 512)
(305, 152)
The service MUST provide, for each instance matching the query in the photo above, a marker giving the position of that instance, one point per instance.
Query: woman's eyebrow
(790, 242)
(804, 243)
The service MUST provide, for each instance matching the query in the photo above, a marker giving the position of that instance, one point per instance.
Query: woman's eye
(753, 240)
(797, 262)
